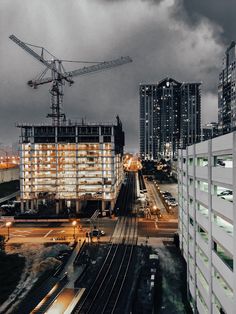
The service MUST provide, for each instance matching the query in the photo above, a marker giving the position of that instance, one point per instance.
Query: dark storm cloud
(160, 36)
(221, 12)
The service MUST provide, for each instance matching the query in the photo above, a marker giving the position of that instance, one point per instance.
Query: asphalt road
(55, 230)
(171, 187)
(156, 229)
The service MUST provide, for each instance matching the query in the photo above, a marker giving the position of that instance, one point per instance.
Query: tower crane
(59, 76)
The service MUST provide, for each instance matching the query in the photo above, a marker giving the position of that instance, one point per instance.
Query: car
(96, 233)
(226, 192)
(166, 197)
(166, 193)
(220, 162)
(227, 197)
(173, 204)
(170, 199)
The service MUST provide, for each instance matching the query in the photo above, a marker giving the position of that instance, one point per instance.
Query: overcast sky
(183, 39)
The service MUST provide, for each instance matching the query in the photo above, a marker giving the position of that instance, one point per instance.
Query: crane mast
(59, 76)
(57, 93)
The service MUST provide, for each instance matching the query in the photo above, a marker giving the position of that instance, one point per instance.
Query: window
(202, 185)
(223, 193)
(202, 161)
(225, 161)
(225, 256)
(223, 224)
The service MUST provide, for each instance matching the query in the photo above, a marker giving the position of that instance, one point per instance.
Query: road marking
(24, 231)
(18, 235)
(61, 231)
(48, 233)
(156, 226)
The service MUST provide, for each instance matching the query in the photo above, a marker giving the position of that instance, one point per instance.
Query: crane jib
(59, 76)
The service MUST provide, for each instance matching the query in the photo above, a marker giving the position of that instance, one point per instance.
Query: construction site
(66, 164)
(70, 165)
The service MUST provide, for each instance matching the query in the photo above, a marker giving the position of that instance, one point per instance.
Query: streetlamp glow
(8, 225)
(74, 223)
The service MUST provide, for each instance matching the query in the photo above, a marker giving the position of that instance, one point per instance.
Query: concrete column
(78, 206)
(22, 206)
(37, 204)
(32, 205)
(57, 208)
(60, 204)
(27, 204)
(103, 205)
(112, 206)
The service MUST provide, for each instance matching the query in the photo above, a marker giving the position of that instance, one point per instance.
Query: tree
(2, 244)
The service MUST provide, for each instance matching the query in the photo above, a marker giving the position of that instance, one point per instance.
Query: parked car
(96, 233)
(226, 195)
(170, 199)
(226, 192)
(173, 204)
(167, 196)
(220, 162)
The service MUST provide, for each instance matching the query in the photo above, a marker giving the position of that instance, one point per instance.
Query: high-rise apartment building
(207, 221)
(71, 164)
(190, 114)
(227, 92)
(170, 117)
(210, 130)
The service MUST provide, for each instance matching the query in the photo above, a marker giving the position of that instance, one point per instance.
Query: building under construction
(71, 164)
(63, 163)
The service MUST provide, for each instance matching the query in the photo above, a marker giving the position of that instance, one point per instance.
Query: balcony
(202, 172)
(202, 219)
(202, 148)
(191, 248)
(222, 237)
(223, 143)
(223, 295)
(192, 269)
(191, 210)
(203, 290)
(191, 190)
(201, 308)
(202, 266)
(190, 170)
(191, 230)
(222, 175)
(191, 287)
(223, 269)
(202, 197)
(202, 243)
(223, 207)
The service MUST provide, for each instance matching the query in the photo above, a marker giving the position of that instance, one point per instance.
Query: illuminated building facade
(71, 164)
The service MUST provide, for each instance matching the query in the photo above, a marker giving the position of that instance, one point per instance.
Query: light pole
(8, 225)
(74, 223)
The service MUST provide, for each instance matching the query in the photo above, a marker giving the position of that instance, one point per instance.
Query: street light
(8, 225)
(74, 223)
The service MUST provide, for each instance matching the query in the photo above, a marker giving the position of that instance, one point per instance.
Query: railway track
(104, 294)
